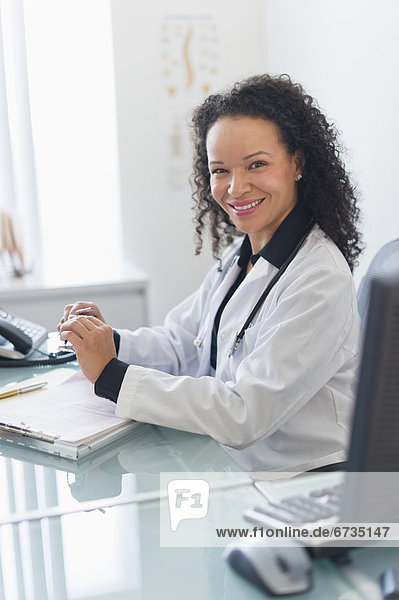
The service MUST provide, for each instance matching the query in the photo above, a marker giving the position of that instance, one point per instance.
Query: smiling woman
(256, 182)
(304, 133)
(278, 394)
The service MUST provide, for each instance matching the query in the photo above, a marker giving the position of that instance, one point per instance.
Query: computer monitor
(372, 483)
(374, 443)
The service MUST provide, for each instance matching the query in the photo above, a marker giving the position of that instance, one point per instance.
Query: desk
(114, 553)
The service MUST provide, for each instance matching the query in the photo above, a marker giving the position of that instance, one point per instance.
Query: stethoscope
(269, 287)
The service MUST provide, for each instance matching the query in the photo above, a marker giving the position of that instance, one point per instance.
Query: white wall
(156, 88)
(346, 55)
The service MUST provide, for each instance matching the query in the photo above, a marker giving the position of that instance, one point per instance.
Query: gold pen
(23, 390)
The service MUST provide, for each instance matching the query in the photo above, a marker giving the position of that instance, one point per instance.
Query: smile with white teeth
(247, 206)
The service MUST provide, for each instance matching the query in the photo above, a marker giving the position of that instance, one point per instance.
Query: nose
(239, 184)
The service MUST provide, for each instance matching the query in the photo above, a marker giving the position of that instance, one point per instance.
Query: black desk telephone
(19, 338)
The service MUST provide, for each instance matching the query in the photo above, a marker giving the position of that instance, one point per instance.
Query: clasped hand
(83, 326)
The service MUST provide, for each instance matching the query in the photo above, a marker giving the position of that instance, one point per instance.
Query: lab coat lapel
(221, 291)
(217, 294)
(245, 298)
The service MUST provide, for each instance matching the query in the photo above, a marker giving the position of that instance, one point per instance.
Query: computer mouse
(278, 570)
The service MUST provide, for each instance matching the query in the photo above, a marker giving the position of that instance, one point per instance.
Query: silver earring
(298, 177)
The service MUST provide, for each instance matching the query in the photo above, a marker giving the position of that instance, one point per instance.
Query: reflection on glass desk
(131, 466)
(114, 552)
(107, 553)
(115, 555)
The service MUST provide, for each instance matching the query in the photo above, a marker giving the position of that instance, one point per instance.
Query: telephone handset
(21, 342)
(19, 338)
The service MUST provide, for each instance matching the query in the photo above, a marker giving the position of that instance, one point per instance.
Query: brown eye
(257, 164)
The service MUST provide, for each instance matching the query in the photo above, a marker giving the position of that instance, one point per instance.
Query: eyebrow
(220, 162)
(256, 154)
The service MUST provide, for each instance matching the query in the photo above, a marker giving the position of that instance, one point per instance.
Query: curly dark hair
(325, 187)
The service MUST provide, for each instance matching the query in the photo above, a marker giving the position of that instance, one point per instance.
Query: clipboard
(66, 420)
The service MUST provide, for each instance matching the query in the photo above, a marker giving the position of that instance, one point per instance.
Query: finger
(72, 338)
(65, 316)
(67, 310)
(62, 321)
(87, 308)
(79, 325)
(96, 320)
(89, 323)
(80, 307)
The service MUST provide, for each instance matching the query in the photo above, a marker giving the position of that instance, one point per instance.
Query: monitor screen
(375, 428)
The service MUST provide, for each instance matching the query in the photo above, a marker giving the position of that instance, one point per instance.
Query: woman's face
(252, 176)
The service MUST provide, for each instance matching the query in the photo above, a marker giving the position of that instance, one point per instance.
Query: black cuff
(109, 383)
(117, 341)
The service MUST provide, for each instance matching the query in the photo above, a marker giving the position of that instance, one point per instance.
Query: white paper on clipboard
(66, 412)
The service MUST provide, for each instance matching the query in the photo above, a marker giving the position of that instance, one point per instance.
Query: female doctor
(262, 357)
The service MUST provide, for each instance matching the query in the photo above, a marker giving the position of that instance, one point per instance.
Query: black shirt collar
(284, 239)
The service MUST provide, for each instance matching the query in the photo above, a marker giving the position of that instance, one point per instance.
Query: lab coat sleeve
(299, 347)
(170, 347)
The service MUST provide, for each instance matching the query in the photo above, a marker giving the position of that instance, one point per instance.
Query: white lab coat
(283, 400)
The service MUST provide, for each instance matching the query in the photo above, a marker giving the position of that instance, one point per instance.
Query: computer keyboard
(316, 506)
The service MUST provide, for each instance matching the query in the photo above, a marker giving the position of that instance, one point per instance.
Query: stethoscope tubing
(269, 287)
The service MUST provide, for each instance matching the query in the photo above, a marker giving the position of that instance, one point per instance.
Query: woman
(279, 395)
